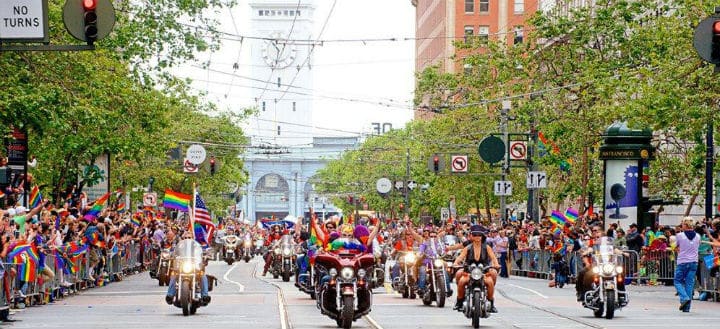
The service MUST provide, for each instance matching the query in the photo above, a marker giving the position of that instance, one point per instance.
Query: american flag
(202, 217)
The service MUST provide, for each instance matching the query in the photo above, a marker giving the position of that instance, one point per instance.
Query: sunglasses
(347, 235)
(476, 234)
(330, 227)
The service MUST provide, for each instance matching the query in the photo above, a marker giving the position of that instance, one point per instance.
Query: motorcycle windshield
(189, 249)
(231, 238)
(450, 240)
(286, 241)
(605, 251)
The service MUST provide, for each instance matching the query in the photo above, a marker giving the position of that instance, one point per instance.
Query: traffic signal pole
(506, 159)
(407, 179)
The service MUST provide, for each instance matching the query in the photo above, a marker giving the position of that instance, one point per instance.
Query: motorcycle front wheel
(609, 304)
(475, 310)
(348, 311)
(440, 294)
(185, 296)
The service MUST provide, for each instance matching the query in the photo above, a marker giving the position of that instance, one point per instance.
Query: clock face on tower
(278, 53)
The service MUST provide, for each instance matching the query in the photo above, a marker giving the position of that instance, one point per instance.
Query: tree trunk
(691, 203)
(487, 202)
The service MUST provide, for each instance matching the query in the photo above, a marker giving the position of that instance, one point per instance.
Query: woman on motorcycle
(430, 249)
(477, 252)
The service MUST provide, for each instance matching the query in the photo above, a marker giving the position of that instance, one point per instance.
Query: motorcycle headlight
(361, 273)
(596, 270)
(333, 272)
(247, 244)
(347, 273)
(287, 252)
(439, 262)
(608, 269)
(476, 273)
(619, 269)
(187, 267)
(277, 251)
(165, 254)
(410, 258)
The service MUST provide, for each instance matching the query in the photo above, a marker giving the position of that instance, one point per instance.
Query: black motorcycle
(435, 288)
(345, 297)
(406, 283)
(476, 304)
(164, 268)
(189, 267)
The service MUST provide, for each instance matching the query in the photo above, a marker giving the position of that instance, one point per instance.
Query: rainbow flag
(35, 197)
(94, 212)
(201, 235)
(93, 237)
(2, 194)
(557, 218)
(120, 207)
(176, 200)
(314, 240)
(558, 247)
(556, 229)
(571, 215)
(135, 220)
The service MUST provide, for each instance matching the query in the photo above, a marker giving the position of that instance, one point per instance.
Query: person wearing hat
(477, 252)
(20, 215)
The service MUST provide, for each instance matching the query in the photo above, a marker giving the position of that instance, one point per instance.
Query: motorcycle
(435, 288)
(604, 296)
(345, 297)
(307, 281)
(164, 269)
(405, 283)
(189, 266)
(377, 277)
(283, 258)
(259, 247)
(476, 304)
(230, 243)
(246, 250)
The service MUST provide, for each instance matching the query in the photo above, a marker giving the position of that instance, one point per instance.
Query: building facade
(439, 24)
(284, 155)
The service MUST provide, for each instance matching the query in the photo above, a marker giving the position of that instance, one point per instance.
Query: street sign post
(459, 163)
(24, 21)
(518, 150)
(399, 185)
(190, 168)
(411, 185)
(196, 154)
(383, 185)
(491, 149)
(503, 188)
(536, 179)
(444, 214)
(150, 199)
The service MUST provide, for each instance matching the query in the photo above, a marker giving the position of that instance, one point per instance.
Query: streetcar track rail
(558, 314)
(284, 318)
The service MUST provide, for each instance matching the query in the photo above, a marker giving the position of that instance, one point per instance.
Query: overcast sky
(381, 72)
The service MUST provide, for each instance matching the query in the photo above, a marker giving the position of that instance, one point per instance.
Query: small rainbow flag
(93, 213)
(2, 194)
(571, 215)
(556, 229)
(557, 218)
(176, 200)
(120, 207)
(35, 197)
(135, 220)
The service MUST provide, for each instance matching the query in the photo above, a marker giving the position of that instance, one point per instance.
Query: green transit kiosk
(626, 154)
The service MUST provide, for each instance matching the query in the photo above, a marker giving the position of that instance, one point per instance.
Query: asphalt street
(244, 299)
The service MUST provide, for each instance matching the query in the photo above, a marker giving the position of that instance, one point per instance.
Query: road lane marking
(284, 320)
(372, 322)
(528, 289)
(241, 288)
(558, 314)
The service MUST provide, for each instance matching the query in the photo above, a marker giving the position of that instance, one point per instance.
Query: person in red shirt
(275, 234)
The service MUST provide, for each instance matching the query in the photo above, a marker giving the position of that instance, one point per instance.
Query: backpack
(512, 244)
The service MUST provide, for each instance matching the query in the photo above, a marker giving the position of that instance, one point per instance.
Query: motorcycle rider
(585, 276)
(477, 252)
(275, 235)
(430, 249)
(172, 289)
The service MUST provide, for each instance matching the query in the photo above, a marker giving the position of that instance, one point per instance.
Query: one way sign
(503, 188)
(536, 179)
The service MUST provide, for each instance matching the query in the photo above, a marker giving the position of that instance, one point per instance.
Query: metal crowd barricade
(534, 263)
(709, 280)
(656, 266)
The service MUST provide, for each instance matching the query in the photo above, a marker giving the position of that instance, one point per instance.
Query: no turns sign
(459, 163)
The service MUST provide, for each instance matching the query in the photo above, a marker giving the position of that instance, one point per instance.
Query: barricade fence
(649, 267)
(56, 278)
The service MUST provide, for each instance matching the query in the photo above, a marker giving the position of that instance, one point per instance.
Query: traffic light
(212, 165)
(715, 51)
(90, 18)
(436, 163)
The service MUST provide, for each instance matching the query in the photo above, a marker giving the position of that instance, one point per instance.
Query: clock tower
(281, 65)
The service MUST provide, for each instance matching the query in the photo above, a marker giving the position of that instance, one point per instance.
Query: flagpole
(192, 214)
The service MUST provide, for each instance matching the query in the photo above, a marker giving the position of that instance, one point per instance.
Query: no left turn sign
(518, 150)
(458, 163)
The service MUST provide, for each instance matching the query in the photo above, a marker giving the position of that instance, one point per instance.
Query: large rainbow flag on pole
(176, 200)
